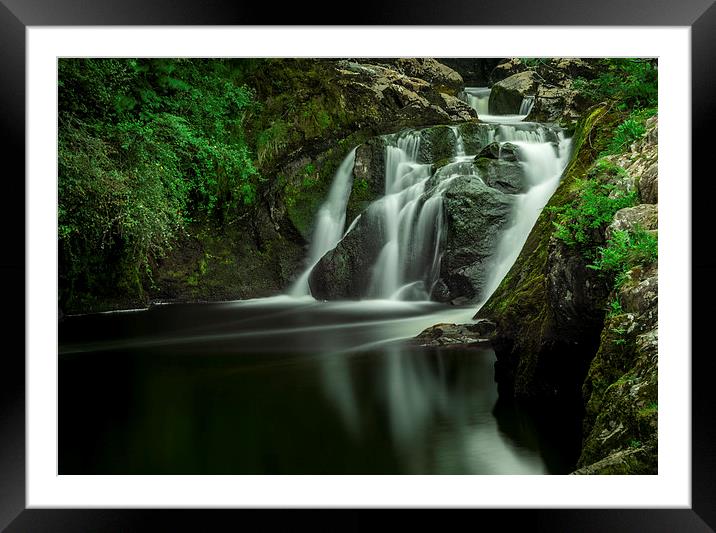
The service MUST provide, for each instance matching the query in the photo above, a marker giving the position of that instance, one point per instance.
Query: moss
(521, 305)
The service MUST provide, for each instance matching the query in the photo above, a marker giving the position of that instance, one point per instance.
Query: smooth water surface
(288, 386)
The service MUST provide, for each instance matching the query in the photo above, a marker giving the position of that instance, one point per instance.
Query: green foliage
(581, 222)
(632, 82)
(615, 308)
(144, 146)
(624, 251)
(632, 129)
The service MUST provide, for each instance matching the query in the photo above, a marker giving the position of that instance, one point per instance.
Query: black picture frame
(16, 15)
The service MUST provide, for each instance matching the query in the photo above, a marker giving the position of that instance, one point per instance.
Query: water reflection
(282, 386)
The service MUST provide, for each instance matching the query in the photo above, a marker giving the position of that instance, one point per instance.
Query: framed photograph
(357, 267)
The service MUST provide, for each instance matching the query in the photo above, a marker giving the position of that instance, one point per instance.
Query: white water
(408, 219)
(330, 222)
(543, 165)
(479, 99)
(410, 225)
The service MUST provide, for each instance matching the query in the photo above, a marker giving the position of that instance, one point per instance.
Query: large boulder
(507, 95)
(436, 143)
(389, 99)
(642, 216)
(506, 176)
(345, 272)
(443, 78)
(475, 215)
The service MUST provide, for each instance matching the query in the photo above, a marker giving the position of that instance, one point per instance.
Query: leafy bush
(632, 129)
(144, 146)
(582, 222)
(624, 251)
(632, 82)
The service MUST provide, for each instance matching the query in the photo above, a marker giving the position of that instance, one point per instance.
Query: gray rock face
(644, 216)
(345, 271)
(475, 215)
(649, 185)
(506, 176)
(442, 77)
(621, 388)
(385, 95)
(576, 293)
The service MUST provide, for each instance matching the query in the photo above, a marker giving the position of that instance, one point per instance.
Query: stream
(293, 385)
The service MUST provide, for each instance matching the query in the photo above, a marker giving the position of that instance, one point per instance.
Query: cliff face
(554, 337)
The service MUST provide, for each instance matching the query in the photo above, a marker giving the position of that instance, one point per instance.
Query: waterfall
(404, 268)
(406, 226)
(543, 164)
(479, 97)
(330, 222)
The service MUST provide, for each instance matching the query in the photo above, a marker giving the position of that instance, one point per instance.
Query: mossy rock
(532, 360)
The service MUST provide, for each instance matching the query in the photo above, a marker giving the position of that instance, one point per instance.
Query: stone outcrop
(621, 388)
(539, 355)
(548, 81)
(456, 334)
(554, 337)
(475, 215)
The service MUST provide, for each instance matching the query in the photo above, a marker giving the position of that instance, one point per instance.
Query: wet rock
(507, 95)
(449, 335)
(577, 294)
(368, 176)
(436, 143)
(345, 271)
(495, 150)
(475, 215)
(506, 176)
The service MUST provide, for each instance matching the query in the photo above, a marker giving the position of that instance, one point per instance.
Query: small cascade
(543, 163)
(459, 143)
(526, 106)
(479, 98)
(409, 227)
(330, 222)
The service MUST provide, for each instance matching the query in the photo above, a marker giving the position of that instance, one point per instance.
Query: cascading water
(543, 164)
(406, 224)
(405, 268)
(479, 99)
(330, 222)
